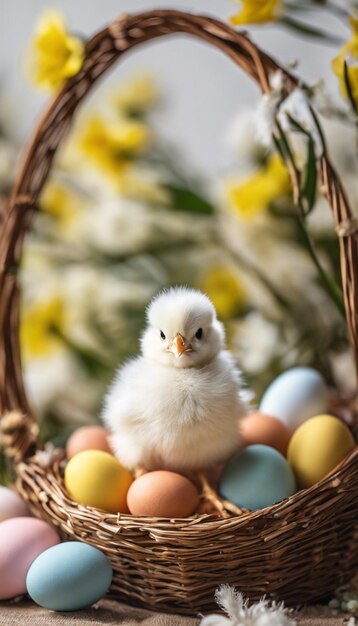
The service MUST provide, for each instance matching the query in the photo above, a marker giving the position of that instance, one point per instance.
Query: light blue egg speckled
(295, 396)
(257, 477)
(69, 577)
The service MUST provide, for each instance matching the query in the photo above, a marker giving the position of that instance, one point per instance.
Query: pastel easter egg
(22, 539)
(96, 478)
(257, 477)
(88, 438)
(317, 447)
(162, 494)
(295, 396)
(69, 577)
(11, 505)
(265, 429)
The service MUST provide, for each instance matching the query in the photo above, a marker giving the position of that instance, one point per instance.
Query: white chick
(177, 406)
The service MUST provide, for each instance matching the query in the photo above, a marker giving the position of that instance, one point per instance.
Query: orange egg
(88, 438)
(265, 429)
(162, 494)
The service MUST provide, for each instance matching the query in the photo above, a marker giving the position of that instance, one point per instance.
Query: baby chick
(177, 406)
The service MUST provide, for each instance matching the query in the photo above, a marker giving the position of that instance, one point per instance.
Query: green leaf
(310, 185)
(310, 31)
(348, 85)
(186, 200)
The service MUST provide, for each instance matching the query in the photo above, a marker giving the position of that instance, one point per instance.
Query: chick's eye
(199, 333)
(162, 335)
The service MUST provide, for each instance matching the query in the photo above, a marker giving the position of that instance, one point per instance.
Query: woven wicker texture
(299, 550)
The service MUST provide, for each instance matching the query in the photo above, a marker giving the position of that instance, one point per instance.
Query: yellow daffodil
(348, 53)
(62, 204)
(39, 323)
(55, 55)
(254, 194)
(257, 12)
(135, 96)
(113, 145)
(225, 290)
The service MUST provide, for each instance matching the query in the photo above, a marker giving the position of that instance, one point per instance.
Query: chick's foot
(211, 501)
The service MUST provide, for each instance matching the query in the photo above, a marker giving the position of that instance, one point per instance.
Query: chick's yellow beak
(178, 345)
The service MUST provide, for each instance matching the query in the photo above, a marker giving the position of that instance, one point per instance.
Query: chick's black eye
(162, 335)
(199, 333)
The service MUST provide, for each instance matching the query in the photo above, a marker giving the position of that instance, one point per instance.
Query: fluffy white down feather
(262, 613)
(177, 411)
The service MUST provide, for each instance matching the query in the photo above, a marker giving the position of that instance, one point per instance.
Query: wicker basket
(298, 550)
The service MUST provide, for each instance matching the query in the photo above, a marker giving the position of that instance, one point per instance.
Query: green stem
(331, 287)
(328, 283)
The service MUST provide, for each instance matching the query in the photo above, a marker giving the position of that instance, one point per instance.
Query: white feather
(262, 613)
(177, 413)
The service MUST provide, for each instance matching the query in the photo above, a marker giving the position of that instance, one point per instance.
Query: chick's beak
(178, 345)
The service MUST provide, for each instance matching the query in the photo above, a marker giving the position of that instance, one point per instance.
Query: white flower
(296, 106)
(243, 138)
(266, 110)
(119, 226)
(48, 378)
(255, 342)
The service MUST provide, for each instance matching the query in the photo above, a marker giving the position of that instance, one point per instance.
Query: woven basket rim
(207, 519)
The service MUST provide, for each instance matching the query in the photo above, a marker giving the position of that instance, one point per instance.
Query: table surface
(25, 613)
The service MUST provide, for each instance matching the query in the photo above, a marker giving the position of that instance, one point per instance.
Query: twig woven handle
(102, 51)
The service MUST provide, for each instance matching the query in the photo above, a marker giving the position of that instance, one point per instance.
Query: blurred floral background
(125, 214)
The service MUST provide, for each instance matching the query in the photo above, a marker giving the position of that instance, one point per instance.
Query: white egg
(295, 396)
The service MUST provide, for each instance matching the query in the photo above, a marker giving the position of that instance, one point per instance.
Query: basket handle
(102, 51)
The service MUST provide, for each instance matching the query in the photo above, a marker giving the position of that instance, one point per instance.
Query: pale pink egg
(22, 540)
(11, 505)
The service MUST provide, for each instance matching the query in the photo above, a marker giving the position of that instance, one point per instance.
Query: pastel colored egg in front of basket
(69, 577)
(97, 479)
(162, 494)
(317, 446)
(258, 428)
(257, 477)
(22, 539)
(11, 505)
(88, 438)
(295, 396)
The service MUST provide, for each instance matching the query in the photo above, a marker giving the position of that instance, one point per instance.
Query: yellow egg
(317, 446)
(96, 478)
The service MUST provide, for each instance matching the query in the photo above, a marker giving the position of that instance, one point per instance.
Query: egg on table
(257, 477)
(22, 539)
(317, 447)
(88, 438)
(68, 577)
(162, 494)
(11, 505)
(96, 478)
(296, 395)
(265, 429)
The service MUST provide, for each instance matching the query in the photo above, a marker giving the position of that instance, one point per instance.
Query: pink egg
(22, 539)
(11, 505)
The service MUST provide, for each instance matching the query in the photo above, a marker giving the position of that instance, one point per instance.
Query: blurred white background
(204, 90)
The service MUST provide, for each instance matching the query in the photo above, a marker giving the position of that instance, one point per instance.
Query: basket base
(298, 551)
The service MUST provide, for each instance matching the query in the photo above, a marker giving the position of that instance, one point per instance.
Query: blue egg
(295, 396)
(69, 577)
(257, 477)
